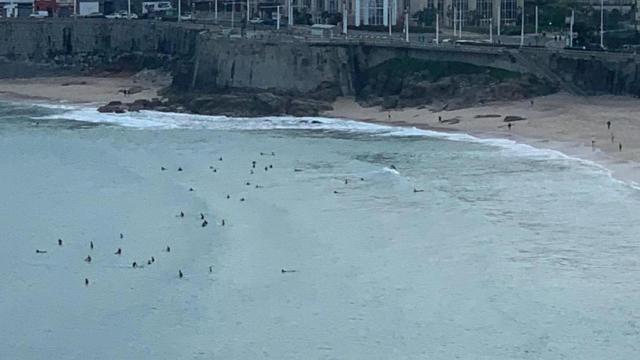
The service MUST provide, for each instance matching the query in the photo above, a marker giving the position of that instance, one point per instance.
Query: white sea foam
(167, 121)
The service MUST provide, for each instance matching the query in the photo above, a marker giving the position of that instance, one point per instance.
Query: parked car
(186, 17)
(94, 15)
(39, 14)
(121, 15)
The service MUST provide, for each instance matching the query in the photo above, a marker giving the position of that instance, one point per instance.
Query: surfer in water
(38, 251)
(59, 242)
(88, 259)
(180, 275)
(118, 252)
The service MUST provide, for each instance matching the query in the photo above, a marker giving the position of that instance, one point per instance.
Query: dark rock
(113, 108)
(300, 107)
(326, 91)
(142, 103)
(390, 102)
(512, 118)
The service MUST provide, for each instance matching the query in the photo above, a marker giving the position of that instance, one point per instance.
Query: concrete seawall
(205, 60)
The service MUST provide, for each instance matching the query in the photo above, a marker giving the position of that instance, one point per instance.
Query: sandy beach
(560, 121)
(85, 89)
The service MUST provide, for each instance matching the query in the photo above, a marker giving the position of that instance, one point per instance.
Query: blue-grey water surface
(504, 251)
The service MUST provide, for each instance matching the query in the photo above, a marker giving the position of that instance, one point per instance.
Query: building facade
(379, 12)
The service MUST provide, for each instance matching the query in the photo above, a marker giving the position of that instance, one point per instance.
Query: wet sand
(560, 121)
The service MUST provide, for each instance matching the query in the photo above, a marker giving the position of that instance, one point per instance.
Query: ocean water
(504, 252)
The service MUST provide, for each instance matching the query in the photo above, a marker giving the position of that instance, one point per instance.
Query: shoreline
(553, 128)
(558, 122)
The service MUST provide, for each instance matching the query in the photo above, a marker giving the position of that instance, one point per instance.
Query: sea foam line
(167, 121)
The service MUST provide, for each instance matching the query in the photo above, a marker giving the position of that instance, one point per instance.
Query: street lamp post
(460, 20)
(491, 30)
(571, 29)
(536, 19)
(455, 19)
(344, 18)
(602, 24)
(406, 24)
(499, 17)
(437, 28)
(522, 28)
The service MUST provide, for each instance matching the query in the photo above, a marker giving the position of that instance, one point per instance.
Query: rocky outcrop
(236, 104)
(411, 83)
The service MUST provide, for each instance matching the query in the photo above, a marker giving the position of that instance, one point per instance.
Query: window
(461, 5)
(508, 12)
(484, 9)
(376, 12)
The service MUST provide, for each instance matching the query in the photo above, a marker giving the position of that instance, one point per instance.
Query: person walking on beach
(593, 143)
(509, 126)
(620, 147)
(608, 124)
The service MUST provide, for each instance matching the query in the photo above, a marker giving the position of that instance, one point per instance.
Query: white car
(39, 14)
(121, 15)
